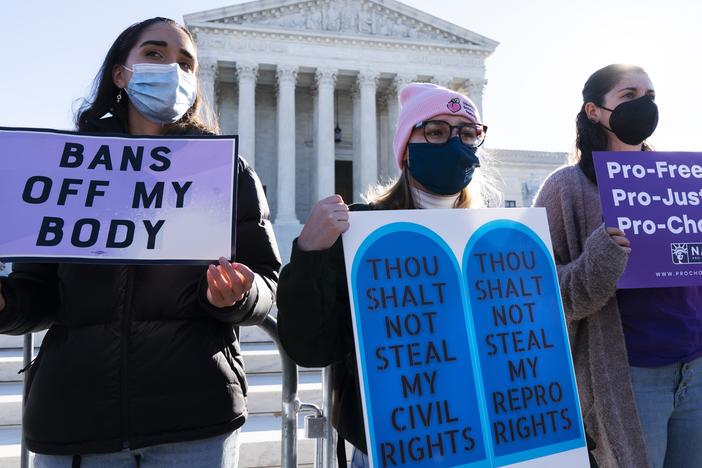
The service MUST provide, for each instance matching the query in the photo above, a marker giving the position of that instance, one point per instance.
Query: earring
(119, 96)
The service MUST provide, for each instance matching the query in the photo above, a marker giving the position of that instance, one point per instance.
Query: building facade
(310, 87)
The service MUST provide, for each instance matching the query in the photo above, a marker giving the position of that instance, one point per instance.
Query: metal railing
(317, 425)
(28, 355)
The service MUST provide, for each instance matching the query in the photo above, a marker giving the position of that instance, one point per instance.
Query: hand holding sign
(228, 283)
(619, 238)
(328, 219)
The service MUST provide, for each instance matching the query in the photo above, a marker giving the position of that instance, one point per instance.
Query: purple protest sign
(655, 198)
(72, 197)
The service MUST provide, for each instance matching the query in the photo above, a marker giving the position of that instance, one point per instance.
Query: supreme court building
(310, 87)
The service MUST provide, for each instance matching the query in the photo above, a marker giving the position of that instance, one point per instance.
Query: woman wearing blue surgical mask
(141, 363)
(437, 149)
(637, 352)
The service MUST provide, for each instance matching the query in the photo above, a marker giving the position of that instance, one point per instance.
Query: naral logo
(684, 254)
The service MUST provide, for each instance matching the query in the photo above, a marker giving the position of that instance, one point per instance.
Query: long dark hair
(592, 136)
(103, 96)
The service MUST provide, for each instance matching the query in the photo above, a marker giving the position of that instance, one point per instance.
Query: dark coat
(315, 328)
(135, 355)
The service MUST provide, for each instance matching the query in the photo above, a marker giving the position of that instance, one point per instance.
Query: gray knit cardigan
(589, 264)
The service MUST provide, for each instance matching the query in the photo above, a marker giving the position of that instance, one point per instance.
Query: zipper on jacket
(126, 322)
(31, 363)
(26, 368)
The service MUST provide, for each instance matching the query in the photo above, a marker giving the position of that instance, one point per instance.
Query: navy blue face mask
(443, 169)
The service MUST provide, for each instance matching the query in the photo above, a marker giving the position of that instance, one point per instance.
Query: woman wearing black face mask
(637, 352)
(436, 147)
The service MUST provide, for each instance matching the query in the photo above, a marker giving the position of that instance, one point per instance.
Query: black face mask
(633, 121)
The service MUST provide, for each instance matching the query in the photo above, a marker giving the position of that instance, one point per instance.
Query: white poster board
(461, 341)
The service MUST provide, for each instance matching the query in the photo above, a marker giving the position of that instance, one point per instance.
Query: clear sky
(548, 48)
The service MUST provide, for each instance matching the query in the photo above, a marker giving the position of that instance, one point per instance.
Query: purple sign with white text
(71, 197)
(655, 198)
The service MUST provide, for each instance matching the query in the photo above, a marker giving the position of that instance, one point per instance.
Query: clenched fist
(328, 219)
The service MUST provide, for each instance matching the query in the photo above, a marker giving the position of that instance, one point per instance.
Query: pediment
(379, 19)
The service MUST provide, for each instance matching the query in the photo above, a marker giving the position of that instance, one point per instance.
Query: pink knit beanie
(422, 101)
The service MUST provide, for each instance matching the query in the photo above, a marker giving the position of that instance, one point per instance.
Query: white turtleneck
(428, 200)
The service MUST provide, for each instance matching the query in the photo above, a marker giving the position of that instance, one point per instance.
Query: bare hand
(619, 238)
(328, 219)
(228, 283)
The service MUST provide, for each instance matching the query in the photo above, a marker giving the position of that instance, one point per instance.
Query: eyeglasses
(438, 132)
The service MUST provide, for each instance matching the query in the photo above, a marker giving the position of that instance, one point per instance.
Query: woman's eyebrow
(154, 42)
(165, 44)
(631, 88)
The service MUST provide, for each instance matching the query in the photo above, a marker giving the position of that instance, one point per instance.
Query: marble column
(207, 75)
(246, 74)
(355, 94)
(324, 186)
(286, 79)
(383, 133)
(475, 93)
(367, 84)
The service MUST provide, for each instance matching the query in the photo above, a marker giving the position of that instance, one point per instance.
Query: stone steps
(260, 444)
(260, 436)
(258, 358)
(265, 391)
(246, 335)
(264, 396)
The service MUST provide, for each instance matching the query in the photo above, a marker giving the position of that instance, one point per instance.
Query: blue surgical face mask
(443, 169)
(161, 93)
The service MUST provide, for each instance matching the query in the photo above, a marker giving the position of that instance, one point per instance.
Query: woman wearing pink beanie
(436, 147)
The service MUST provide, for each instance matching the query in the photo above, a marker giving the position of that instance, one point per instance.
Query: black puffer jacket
(314, 324)
(135, 355)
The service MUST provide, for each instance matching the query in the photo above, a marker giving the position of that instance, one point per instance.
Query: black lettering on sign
(93, 230)
(152, 231)
(94, 192)
(159, 155)
(418, 354)
(501, 288)
(131, 158)
(514, 314)
(412, 324)
(50, 232)
(511, 261)
(144, 198)
(180, 191)
(127, 236)
(72, 155)
(414, 387)
(45, 185)
(411, 267)
(67, 189)
(102, 158)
